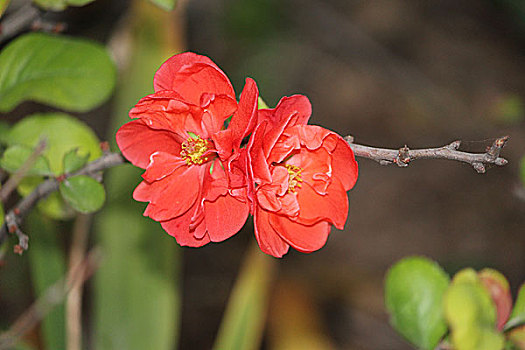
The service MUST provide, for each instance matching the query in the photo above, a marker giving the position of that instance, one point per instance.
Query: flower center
(294, 177)
(193, 150)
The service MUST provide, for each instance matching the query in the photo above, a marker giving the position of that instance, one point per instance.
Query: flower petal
(225, 217)
(161, 165)
(172, 195)
(304, 238)
(267, 238)
(332, 207)
(344, 166)
(179, 229)
(138, 142)
(191, 75)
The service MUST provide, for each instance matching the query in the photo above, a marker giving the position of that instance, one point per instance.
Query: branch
(403, 156)
(52, 297)
(14, 217)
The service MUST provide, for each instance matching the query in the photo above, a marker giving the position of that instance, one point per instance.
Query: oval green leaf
(70, 74)
(83, 193)
(62, 133)
(15, 156)
(414, 289)
(471, 314)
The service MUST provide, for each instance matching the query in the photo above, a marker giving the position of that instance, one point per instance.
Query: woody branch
(402, 157)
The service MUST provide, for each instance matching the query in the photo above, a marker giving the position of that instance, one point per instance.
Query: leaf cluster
(473, 310)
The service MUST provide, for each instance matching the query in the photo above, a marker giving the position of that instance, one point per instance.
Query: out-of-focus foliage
(499, 290)
(414, 289)
(517, 315)
(74, 161)
(15, 156)
(471, 314)
(137, 289)
(167, 5)
(48, 265)
(245, 315)
(71, 74)
(474, 308)
(59, 5)
(3, 6)
(61, 132)
(83, 193)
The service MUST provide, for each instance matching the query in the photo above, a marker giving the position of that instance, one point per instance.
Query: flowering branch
(403, 156)
(15, 215)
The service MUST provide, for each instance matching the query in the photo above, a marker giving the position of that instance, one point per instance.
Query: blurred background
(388, 72)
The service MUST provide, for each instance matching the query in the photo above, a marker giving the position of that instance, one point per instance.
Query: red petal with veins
(332, 207)
(138, 142)
(172, 195)
(225, 217)
(268, 239)
(191, 75)
(304, 238)
(161, 165)
(179, 228)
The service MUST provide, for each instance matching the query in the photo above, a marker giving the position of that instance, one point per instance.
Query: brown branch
(403, 156)
(47, 187)
(53, 296)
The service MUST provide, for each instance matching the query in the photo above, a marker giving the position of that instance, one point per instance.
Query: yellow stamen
(193, 149)
(294, 177)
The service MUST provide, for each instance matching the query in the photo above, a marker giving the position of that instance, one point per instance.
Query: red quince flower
(178, 138)
(301, 175)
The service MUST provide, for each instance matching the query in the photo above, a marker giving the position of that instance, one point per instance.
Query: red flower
(302, 173)
(178, 138)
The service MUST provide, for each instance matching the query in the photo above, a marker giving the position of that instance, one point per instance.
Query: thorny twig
(47, 187)
(403, 156)
(52, 297)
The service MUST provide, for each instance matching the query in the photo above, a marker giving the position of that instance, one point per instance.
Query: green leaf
(74, 161)
(517, 337)
(517, 316)
(83, 193)
(62, 133)
(48, 265)
(414, 289)
(15, 156)
(59, 5)
(66, 73)
(167, 5)
(471, 314)
(245, 314)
